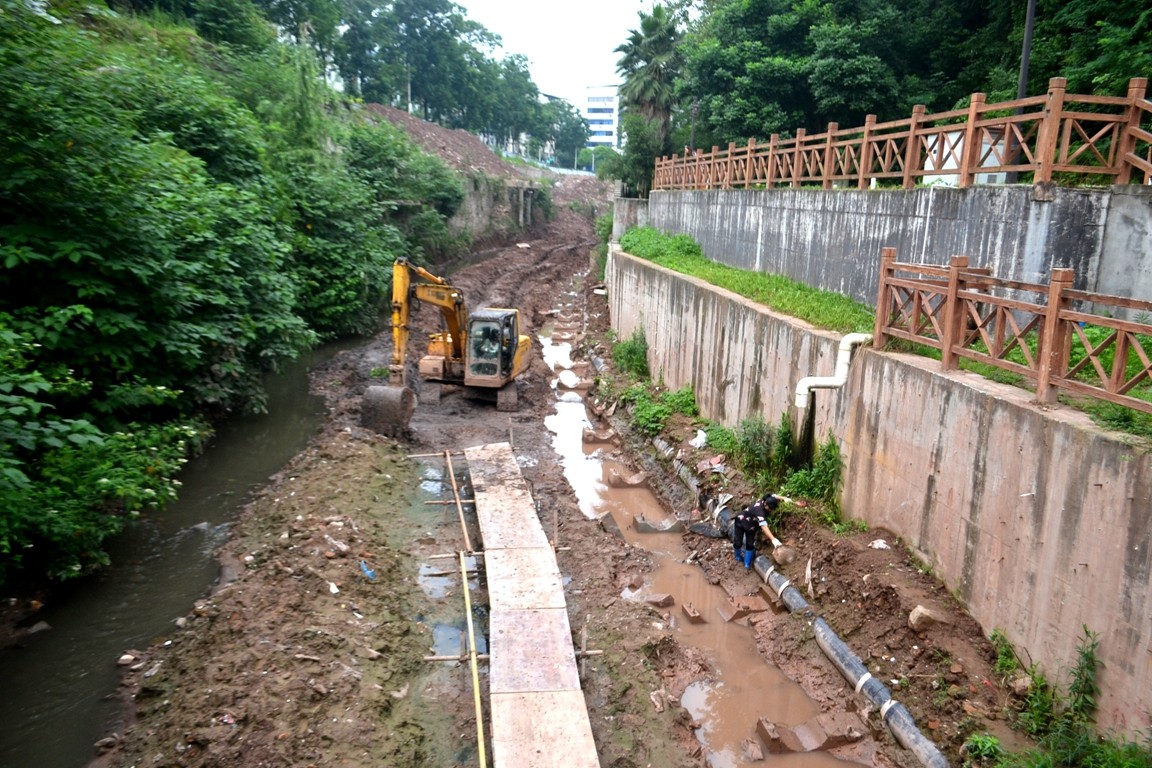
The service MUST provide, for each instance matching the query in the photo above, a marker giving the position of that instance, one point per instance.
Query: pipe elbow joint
(843, 356)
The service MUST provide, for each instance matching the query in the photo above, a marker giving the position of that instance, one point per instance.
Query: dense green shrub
(720, 438)
(177, 219)
(1064, 724)
(411, 191)
(632, 355)
(682, 400)
(65, 486)
(649, 414)
(755, 446)
(820, 481)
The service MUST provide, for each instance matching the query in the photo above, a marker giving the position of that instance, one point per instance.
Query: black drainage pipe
(892, 712)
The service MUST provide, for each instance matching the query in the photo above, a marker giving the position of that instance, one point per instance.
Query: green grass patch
(833, 311)
(680, 253)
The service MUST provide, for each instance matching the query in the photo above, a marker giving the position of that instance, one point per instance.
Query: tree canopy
(740, 69)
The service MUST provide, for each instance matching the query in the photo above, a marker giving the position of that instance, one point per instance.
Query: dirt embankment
(310, 651)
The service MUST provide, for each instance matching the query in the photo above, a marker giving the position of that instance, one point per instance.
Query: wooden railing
(1053, 335)
(1097, 137)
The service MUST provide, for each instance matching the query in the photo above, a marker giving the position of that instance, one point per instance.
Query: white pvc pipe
(843, 356)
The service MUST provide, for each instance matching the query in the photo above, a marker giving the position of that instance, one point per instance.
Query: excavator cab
(492, 335)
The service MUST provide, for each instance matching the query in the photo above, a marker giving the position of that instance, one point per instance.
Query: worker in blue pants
(746, 524)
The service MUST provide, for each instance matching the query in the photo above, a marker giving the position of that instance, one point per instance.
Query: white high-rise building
(602, 111)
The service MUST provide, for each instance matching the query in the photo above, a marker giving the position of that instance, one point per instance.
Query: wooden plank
(521, 579)
(542, 730)
(531, 651)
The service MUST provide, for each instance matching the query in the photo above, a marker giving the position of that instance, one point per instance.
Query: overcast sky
(569, 45)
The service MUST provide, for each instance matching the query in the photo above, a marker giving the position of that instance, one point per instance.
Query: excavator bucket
(388, 410)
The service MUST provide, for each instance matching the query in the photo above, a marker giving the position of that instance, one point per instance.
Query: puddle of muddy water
(448, 640)
(444, 687)
(744, 687)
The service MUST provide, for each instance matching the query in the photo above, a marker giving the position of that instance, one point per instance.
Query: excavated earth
(309, 651)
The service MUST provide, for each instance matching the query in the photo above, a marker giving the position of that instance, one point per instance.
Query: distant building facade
(601, 109)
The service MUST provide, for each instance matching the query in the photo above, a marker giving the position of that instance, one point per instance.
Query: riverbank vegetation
(185, 205)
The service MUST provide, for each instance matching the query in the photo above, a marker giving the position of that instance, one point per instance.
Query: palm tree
(648, 65)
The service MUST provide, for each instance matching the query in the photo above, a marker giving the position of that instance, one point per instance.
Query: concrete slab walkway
(539, 718)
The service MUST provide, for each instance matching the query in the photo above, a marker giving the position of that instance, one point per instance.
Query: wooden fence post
(1136, 88)
(912, 148)
(798, 157)
(887, 260)
(970, 157)
(1048, 140)
(749, 163)
(1054, 342)
(773, 146)
(953, 316)
(728, 167)
(829, 155)
(714, 167)
(864, 172)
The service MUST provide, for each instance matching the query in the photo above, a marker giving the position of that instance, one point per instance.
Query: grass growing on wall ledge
(680, 253)
(836, 312)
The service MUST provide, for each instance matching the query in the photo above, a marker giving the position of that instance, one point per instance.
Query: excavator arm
(414, 283)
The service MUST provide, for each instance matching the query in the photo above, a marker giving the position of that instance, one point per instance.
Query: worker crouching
(748, 523)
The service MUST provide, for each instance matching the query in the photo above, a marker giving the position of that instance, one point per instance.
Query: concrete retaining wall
(832, 239)
(1038, 521)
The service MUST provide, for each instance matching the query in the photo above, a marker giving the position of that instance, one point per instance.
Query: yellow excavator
(483, 352)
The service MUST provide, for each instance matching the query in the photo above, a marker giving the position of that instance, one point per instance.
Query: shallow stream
(59, 683)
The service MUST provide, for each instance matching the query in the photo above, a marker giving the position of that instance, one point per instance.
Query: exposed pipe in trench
(892, 712)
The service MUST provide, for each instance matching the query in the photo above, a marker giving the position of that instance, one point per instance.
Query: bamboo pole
(458, 657)
(475, 666)
(555, 527)
(459, 506)
(445, 557)
(583, 654)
